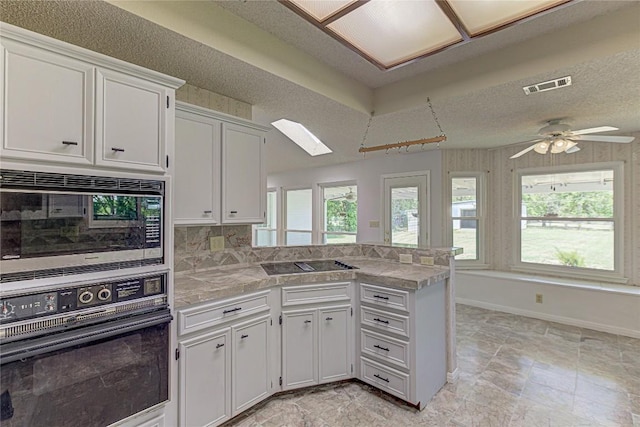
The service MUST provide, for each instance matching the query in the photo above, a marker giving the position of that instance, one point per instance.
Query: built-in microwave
(54, 224)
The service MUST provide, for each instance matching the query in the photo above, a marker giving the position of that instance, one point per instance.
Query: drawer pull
(381, 297)
(232, 310)
(243, 336)
(69, 143)
(386, 322)
(381, 348)
(381, 378)
(207, 212)
(329, 318)
(233, 212)
(117, 150)
(219, 345)
(307, 321)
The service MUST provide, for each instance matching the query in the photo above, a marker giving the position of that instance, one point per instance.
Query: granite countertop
(233, 280)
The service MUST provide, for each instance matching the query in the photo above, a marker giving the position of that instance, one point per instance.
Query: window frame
(285, 230)
(617, 274)
(480, 217)
(320, 231)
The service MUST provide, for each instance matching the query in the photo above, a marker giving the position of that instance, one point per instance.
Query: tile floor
(514, 371)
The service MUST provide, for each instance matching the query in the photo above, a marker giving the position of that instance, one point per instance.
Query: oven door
(91, 376)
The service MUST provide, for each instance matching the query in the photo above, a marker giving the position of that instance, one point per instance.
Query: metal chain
(364, 137)
(435, 118)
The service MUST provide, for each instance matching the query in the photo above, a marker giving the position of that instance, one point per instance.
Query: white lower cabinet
(317, 335)
(224, 358)
(250, 365)
(205, 379)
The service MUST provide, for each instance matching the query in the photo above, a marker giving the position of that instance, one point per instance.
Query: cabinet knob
(117, 150)
(69, 143)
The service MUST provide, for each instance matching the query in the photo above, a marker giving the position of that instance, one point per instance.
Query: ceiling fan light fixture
(558, 146)
(541, 147)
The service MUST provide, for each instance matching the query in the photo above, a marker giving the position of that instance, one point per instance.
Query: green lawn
(540, 245)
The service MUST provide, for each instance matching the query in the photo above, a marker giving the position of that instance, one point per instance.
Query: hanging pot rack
(404, 144)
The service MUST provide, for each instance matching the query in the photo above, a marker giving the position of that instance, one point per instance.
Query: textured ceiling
(476, 88)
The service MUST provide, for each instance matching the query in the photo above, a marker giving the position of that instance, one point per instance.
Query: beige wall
(213, 101)
(499, 225)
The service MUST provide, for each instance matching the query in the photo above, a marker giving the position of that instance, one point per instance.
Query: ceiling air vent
(550, 85)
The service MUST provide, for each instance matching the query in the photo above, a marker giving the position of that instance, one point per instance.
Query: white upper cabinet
(197, 163)
(48, 105)
(243, 175)
(224, 156)
(130, 122)
(64, 104)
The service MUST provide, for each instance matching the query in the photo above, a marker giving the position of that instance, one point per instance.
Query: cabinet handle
(243, 336)
(329, 318)
(233, 212)
(381, 297)
(219, 345)
(307, 321)
(117, 150)
(232, 310)
(379, 377)
(381, 348)
(208, 212)
(69, 143)
(381, 321)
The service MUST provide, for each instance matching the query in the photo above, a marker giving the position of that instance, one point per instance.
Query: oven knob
(104, 294)
(85, 297)
(49, 307)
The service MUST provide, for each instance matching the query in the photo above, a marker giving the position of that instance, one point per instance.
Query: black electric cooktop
(295, 267)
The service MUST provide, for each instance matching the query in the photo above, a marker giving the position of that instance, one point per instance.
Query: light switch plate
(216, 244)
(374, 224)
(406, 258)
(426, 260)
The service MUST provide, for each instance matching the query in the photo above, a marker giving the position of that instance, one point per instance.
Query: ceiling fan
(349, 197)
(560, 138)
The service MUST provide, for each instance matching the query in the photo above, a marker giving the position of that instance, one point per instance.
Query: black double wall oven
(76, 350)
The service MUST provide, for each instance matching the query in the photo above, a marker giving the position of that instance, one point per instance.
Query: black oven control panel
(65, 300)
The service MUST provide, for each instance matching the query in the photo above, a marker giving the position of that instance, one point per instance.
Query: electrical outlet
(426, 260)
(406, 258)
(216, 244)
(539, 298)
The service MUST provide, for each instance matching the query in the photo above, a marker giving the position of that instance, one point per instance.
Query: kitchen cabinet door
(335, 343)
(250, 370)
(299, 348)
(244, 185)
(130, 122)
(48, 105)
(205, 379)
(197, 165)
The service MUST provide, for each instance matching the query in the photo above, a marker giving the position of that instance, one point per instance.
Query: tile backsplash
(192, 252)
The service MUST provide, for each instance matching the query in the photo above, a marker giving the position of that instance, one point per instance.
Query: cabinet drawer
(384, 321)
(312, 294)
(386, 348)
(385, 378)
(208, 315)
(384, 297)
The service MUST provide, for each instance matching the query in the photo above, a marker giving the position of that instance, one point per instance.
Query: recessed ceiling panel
(321, 10)
(392, 32)
(479, 16)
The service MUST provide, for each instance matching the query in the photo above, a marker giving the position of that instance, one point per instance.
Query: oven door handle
(21, 350)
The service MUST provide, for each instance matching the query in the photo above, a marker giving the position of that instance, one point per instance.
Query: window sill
(599, 286)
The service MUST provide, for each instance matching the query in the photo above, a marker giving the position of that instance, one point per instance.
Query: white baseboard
(553, 318)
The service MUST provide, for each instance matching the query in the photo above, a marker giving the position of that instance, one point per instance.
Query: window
(298, 217)
(570, 221)
(266, 234)
(467, 224)
(339, 214)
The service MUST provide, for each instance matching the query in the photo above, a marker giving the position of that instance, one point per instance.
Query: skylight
(302, 137)
(390, 33)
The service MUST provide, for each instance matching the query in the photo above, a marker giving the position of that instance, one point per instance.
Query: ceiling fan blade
(593, 130)
(520, 153)
(606, 138)
(573, 149)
